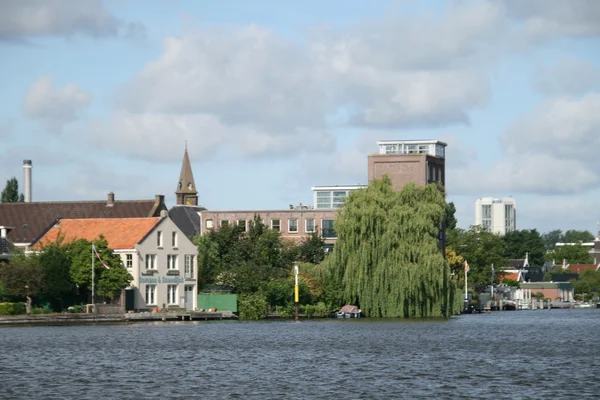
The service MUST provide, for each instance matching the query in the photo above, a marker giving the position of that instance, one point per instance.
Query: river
(504, 355)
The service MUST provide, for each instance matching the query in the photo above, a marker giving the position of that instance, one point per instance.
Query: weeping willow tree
(387, 258)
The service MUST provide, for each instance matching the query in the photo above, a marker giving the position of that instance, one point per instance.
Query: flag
(98, 255)
(466, 267)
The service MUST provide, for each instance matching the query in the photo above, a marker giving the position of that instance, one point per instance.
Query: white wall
(161, 278)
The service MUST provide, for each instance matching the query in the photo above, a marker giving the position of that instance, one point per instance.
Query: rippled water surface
(514, 355)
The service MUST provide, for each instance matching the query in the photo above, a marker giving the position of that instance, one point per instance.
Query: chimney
(27, 180)
(159, 199)
(111, 199)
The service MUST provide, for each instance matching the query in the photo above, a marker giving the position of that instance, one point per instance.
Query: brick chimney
(111, 200)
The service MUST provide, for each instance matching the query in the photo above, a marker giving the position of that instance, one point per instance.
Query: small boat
(582, 305)
(348, 311)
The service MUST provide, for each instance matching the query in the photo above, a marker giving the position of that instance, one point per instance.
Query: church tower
(186, 187)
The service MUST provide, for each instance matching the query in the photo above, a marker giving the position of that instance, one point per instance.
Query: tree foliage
(312, 249)
(588, 284)
(108, 282)
(520, 242)
(10, 194)
(387, 257)
(56, 271)
(22, 277)
(573, 254)
(575, 236)
(242, 260)
(480, 249)
(450, 218)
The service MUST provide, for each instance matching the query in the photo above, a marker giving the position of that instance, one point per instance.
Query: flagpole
(93, 292)
(466, 273)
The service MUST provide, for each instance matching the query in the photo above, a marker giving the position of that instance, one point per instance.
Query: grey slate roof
(187, 219)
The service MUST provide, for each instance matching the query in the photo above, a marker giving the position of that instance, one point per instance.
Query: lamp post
(296, 291)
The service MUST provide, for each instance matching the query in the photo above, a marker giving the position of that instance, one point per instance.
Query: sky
(275, 97)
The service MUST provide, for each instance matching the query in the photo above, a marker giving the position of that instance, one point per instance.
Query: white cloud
(543, 19)
(55, 107)
(30, 18)
(566, 128)
(567, 76)
(552, 150)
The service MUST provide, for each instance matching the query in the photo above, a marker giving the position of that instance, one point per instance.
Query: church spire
(186, 187)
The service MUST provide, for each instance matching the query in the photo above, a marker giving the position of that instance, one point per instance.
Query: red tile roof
(120, 233)
(579, 268)
(510, 275)
(29, 220)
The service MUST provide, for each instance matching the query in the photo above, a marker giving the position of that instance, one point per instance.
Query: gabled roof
(120, 233)
(187, 219)
(29, 220)
(579, 268)
(515, 276)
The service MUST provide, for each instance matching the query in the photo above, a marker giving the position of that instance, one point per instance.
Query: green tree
(450, 219)
(575, 236)
(10, 194)
(108, 281)
(56, 273)
(480, 249)
(587, 285)
(387, 258)
(312, 249)
(551, 238)
(574, 254)
(22, 277)
(525, 241)
(242, 260)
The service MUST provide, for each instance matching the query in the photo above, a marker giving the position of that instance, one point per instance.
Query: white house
(161, 259)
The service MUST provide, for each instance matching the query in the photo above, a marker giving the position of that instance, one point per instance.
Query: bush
(41, 310)
(252, 306)
(76, 309)
(12, 308)
(318, 310)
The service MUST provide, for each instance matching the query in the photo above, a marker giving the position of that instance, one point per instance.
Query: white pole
(492, 291)
(93, 292)
(466, 293)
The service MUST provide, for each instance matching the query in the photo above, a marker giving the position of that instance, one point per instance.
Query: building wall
(301, 215)
(405, 168)
(161, 276)
(498, 221)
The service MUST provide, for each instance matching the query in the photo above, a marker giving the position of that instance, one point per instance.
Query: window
(174, 239)
(172, 261)
(171, 294)
(293, 225)
(310, 224)
(328, 231)
(224, 222)
(276, 224)
(129, 261)
(189, 266)
(150, 295)
(509, 217)
(209, 224)
(159, 240)
(338, 199)
(324, 199)
(486, 217)
(242, 224)
(150, 261)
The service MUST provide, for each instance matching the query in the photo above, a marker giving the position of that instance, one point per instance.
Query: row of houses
(531, 282)
(155, 242)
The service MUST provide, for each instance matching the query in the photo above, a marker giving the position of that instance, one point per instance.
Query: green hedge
(12, 308)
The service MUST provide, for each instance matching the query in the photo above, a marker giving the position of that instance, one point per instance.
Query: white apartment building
(496, 215)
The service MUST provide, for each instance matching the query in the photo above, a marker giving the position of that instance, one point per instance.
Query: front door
(189, 297)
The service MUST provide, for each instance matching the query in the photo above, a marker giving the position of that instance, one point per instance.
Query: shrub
(318, 310)
(75, 309)
(12, 308)
(252, 306)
